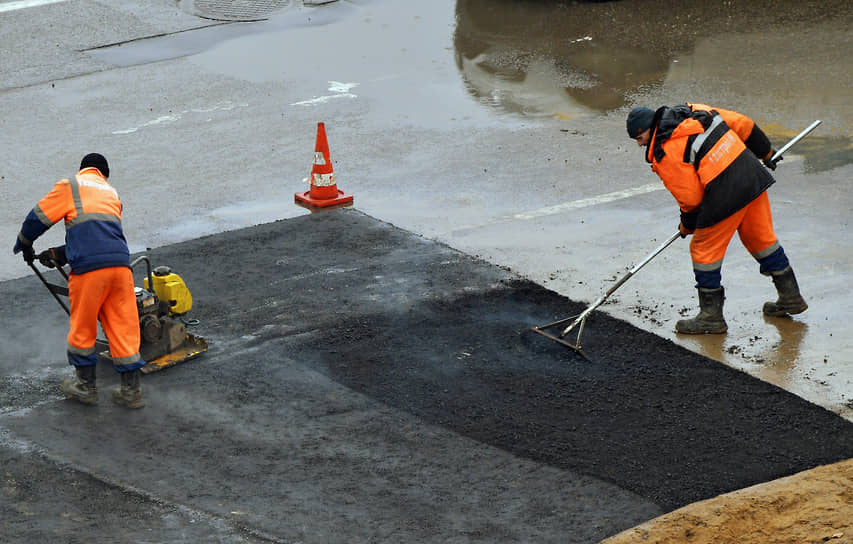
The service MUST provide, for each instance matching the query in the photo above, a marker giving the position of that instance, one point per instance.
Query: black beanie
(96, 160)
(639, 120)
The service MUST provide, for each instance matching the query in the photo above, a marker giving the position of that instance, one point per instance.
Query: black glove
(52, 257)
(29, 254)
(769, 162)
(688, 223)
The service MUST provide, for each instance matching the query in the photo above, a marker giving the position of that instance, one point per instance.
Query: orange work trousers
(754, 225)
(106, 295)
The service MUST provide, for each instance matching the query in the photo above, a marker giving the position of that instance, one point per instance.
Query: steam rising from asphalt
(34, 352)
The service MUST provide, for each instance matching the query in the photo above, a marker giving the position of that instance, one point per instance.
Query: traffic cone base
(338, 197)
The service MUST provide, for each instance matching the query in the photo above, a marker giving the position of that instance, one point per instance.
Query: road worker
(710, 159)
(100, 284)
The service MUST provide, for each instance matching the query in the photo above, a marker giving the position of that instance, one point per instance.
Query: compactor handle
(55, 290)
(148, 269)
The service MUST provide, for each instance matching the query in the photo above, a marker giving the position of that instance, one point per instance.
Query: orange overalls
(708, 159)
(101, 283)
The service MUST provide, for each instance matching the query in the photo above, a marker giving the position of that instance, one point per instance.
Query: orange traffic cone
(324, 189)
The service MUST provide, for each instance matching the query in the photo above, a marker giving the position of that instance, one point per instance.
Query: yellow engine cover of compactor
(169, 287)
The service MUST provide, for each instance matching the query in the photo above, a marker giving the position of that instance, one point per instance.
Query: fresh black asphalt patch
(366, 384)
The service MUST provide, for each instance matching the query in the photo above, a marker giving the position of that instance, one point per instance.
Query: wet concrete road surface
(366, 384)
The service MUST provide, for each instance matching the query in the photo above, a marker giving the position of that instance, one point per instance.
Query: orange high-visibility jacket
(708, 158)
(92, 212)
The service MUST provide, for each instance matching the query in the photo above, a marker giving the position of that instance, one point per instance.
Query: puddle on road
(551, 58)
(582, 59)
(824, 153)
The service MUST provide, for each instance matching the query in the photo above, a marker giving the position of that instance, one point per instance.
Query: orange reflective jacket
(91, 209)
(708, 159)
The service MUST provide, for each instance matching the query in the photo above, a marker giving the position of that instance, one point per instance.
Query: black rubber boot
(82, 386)
(130, 392)
(790, 301)
(710, 318)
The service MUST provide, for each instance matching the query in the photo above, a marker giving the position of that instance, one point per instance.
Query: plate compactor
(162, 303)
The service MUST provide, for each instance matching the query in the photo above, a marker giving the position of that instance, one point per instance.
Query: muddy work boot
(130, 392)
(790, 301)
(82, 386)
(710, 318)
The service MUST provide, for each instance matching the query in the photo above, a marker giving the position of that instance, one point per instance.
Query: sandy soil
(812, 506)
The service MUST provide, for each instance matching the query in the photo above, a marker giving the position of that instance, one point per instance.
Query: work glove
(29, 254)
(688, 223)
(27, 249)
(769, 162)
(52, 257)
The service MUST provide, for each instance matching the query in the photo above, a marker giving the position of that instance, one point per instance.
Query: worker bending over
(710, 159)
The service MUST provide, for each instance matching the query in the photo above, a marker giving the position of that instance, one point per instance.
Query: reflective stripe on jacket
(701, 156)
(92, 212)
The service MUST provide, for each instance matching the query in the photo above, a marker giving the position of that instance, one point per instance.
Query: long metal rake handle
(795, 139)
(581, 319)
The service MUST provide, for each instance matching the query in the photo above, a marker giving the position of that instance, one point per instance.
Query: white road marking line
(343, 90)
(565, 206)
(21, 4)
(160, 120)
(591, 201)
(175, 117)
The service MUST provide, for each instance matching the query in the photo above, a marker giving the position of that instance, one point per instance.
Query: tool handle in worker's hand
(771, 163)
(777, 156)
(53, 257)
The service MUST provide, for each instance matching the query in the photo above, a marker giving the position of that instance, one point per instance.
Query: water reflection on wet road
(787, 62)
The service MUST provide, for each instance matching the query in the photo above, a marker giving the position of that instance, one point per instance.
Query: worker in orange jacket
(710, 159)
(100, 285)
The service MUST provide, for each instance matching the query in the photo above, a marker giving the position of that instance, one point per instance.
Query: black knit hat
(639, 120)
(96, 160)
